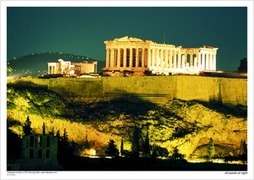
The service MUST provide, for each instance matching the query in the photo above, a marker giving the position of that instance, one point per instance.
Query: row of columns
(126, 57)
(158, 57)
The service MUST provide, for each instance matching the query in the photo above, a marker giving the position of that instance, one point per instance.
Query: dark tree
(53, 131)
(14, 145)
(27, 126)
(146, 145)
(65, 150)
(43, 128)
(158, 151)
(210, 150)
(243, 151)
(65, 136)
(243, 147)
(86, 143)
(176, 155)
(135, 146)
(121, 148)
(58, 134)
(243, 66)
(148, 73)
(111, 149)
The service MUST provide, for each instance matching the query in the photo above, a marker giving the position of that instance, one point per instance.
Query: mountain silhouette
(37, 63)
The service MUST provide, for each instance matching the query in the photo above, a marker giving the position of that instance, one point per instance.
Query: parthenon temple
(134, 56)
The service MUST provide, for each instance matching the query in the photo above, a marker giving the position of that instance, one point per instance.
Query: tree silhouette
(121, 148)
(27, 126)
(176, 155)
(243, 151)
(146, 145)
(58, 134)
(135, 146)
(243, 66)
(65, 151)
(52, 131)
(111, 149)
(210, 150)
(87, 145)
(243, 147)
(65, 136)
(43, 128)
(159, 151)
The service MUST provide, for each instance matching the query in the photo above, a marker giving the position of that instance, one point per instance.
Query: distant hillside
(36, 63)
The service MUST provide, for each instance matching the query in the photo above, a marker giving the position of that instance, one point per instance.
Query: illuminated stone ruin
(72, 68)
(136, 56)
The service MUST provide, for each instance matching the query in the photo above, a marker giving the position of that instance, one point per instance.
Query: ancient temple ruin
(69, 68)
(39, 152)
(134, 56)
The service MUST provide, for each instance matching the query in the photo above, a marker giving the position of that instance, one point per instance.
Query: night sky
(83, 30)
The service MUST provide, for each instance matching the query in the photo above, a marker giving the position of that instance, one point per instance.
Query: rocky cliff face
(187, 125)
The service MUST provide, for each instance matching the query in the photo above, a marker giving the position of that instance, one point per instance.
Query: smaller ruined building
(39, 152)
(134, 56)
(69, 68)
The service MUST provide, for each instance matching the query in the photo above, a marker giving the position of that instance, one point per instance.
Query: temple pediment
(127, 38)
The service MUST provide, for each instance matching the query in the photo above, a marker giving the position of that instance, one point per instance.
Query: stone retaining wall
(209, 89)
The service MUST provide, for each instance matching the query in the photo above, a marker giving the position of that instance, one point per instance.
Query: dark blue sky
(83, 30)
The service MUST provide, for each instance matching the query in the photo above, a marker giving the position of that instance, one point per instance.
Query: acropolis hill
(91, 107)
(228, 91)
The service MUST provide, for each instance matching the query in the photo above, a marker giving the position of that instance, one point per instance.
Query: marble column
(174, 64)
(166, 58)
(137, 56)
(149, 57)
(203, 61)
(115, 57)
(156, 57)
(179, 59)
(199, 60)
(153, 57)
(124, 57)
(131, 65)
(170, 58)
(195, 63)
(191, 60)
(118, 57)
(214, 63)
(183, 61)
(143, 58)
(207, 62)
(107, 57)
(211, 61)
(111, 57)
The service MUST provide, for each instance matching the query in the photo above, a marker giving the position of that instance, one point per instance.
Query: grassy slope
(182, 124)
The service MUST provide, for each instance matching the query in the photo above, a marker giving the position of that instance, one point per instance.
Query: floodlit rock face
(187, 125)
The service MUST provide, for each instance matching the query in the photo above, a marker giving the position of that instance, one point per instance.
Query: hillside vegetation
(187, 125)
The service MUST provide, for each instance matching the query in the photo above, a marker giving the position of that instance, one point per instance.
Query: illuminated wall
(85, 67)
(208, 89)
